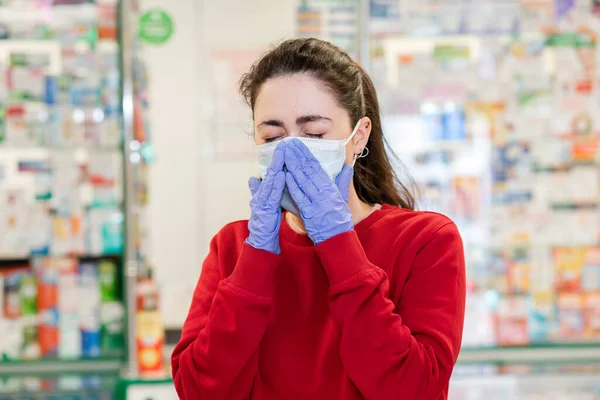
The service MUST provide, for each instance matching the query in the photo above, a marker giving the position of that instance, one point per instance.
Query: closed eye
(272, 139)
(315, 135)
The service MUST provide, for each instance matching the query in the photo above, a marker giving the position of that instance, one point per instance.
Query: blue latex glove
(265, 218)
(323, 204)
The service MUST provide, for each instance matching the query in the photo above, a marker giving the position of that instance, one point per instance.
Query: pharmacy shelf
(69, 149)
(50, 367)
(6, 260)
(547, 353)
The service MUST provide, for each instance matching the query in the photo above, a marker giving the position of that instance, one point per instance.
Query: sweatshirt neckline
(290, 235)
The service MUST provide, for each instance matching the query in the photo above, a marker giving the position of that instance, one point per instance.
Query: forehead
(296, 94)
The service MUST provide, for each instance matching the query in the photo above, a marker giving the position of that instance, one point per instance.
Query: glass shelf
(73, 148)
(105, 364)
(7, 259)
(532, 354)
(96, 385)
(591, 345)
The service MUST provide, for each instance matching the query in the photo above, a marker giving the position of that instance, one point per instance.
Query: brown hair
(374, 178)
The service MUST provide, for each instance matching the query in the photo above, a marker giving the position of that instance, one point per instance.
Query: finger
(344, 180)
(254, 185)
(297, 194)
(310, 165)
(275, 167)
(278, 158)
(295, 167)
(277, 190)
(304, 153)
(266, 187)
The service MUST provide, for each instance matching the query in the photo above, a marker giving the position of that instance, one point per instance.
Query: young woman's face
(300, 106)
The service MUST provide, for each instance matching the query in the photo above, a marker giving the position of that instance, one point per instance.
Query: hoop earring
(364, 152)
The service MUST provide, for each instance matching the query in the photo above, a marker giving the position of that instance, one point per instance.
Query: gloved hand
(265, 218)
(323, 204)
(343, 181)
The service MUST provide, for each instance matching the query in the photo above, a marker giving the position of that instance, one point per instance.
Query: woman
(349, 295)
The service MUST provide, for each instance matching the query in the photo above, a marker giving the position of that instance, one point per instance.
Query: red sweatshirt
(375, 313)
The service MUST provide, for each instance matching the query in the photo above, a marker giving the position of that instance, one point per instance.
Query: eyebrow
(272, 122)
(310, 118)
(299, 121)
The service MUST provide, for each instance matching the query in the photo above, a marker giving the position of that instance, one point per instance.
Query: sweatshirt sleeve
(217, 355)
(408, 349)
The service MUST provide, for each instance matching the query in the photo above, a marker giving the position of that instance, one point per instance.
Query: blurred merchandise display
(61, 308)
(58, 203)
(332, 20)
(73, 184)
(150, 330)
(493, 108)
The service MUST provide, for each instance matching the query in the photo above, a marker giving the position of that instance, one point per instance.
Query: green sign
(156, 26)
(570, 40)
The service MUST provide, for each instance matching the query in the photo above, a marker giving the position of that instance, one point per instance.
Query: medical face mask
(331, 154)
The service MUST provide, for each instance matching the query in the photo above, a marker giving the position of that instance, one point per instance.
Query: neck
(359, 209)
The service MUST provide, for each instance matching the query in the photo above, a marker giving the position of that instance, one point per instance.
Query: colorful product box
(68, 285)
(51, 90)
(467, 195)
(70, 336)
(592, 316)
(571, 316)
(48, 280)
(90, 309)
(112, 327)
(104, 235)
(28, 293)
(31, 344)
(590, 274)
(12, 300)
(150, 342)
(541, 323)
(108, 281)
(89, 284)
(519, 271)
(495, 276)
(90, 333)
(12, 291)
(577, 268)
(568, 264)
(48, 332)
(512, 160)
(512, 321)
(454, 122)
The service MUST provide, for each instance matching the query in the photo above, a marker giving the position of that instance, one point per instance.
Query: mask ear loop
(357, 156)
(353, 132)
(364, 153)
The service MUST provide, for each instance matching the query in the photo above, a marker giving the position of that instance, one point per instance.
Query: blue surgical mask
(331, 154)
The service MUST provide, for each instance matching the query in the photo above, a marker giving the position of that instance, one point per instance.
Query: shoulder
(420, 226)
(231, 236)
(421, 239)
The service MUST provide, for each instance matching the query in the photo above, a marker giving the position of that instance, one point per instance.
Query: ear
(361, 137)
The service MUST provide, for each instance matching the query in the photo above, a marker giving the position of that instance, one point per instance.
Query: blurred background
(124, 148)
